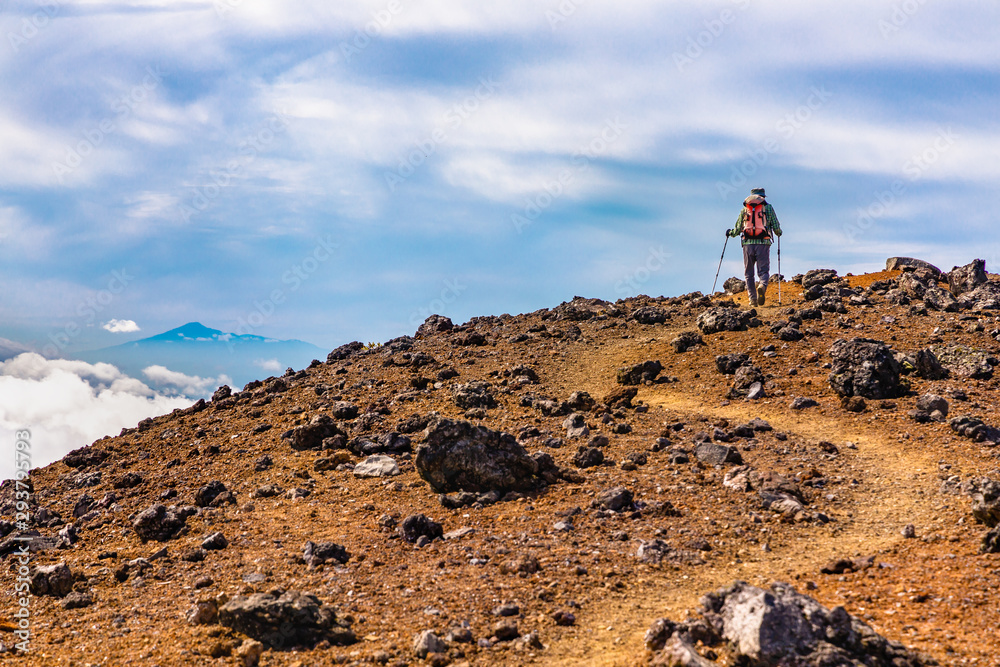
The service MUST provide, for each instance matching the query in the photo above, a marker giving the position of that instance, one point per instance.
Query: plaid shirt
(772, 225)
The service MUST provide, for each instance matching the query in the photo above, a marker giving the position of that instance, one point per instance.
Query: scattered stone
(713, 454)
(215, 542)
(991, 542)
(576, 426)
(505, 631)
(459, 456)
(326, 463)
(639, 373)
(159, 523)
(53, 580)
(803, 402)
(250, 652)
(734, 285)
(564, 618)
(616, 499)
(756, 392)
(204, 612)
(986, 503)
(909, 531)
(727, 364)
(686, 340)
(658, 552)
(346, 351)
(903, 263)
(311, 435)
(433, 325)
(864, 367)
(286, 620)
(344, 410)
(588, 457)
(621, 398)
(853, 403)
(966, 278)
(649, 315)
(744, 378)
(965, 361)
(84, 457)
(416, 526)
(427, 642)
(976, 429)
(474, 394)
(522, 565)
(931, 403)
(717, 319)
(377, 465)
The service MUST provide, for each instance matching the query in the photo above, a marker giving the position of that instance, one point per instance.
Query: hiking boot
(761, 291)
(753, 299)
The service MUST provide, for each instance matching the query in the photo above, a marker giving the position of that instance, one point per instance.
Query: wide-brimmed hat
(758, 191)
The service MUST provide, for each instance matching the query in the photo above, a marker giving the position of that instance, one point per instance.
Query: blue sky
(338, 171)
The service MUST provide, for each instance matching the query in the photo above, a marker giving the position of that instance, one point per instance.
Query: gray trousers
(759, 255)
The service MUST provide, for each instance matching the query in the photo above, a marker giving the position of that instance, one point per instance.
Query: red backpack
(755, 224)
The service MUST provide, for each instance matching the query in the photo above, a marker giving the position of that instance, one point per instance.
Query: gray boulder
(312, 435)
(984, 297)
(54, 580)
(818, 277)
(928, 367)
(712, 454)
(427, 642)
(686, 340)
(434, 324)
(864, 367)
(744, 378)
(315, 554)
(782, 628)
(346, 351)
(901, 263)
(734, 285)
(474, 394)
(964, 361)
(459, 456)
(719, 319)
(576, 426)
(728, 364)
(931, 402)
(649, 315)
(286, 621)
(962, 279)
(377, 465)
(936, 298)
(160, 523)
(986, 503)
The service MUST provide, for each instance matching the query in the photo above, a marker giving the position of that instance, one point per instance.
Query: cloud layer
(69, 404)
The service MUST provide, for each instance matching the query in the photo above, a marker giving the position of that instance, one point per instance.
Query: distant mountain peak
(189, 331)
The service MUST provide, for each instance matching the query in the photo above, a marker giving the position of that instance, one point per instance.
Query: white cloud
(121, 326)
(68, 404)
(172, 382)
(270, 365)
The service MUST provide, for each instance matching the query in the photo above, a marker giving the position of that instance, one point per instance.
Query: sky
(337, 171)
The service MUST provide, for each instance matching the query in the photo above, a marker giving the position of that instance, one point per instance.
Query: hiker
(757, 225)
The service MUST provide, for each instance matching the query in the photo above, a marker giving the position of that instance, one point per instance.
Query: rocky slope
(623, 483)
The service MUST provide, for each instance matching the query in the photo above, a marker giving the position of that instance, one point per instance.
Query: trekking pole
(720, 263)
(779, 271)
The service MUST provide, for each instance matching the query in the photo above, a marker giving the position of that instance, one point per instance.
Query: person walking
(757, 224)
